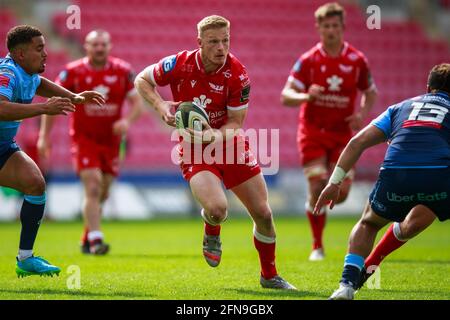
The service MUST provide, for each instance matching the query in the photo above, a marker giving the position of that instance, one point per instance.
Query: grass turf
(162, 259)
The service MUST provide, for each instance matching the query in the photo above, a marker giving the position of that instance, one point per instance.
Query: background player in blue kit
(19, 82)
(414, 180)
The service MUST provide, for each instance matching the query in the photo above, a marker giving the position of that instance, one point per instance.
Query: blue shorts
(397, 191)
(6, 150)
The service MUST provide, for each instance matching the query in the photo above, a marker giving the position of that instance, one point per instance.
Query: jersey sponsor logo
(344, 68)
(216, 88)
(334, 83)
(202, 101)
(4, 81)
(193, 82)
(169, 63)
(393, 197)
(245, 93)
(425, 115)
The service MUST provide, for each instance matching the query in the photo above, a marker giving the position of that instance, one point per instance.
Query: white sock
(95, 235)
(398, 233)
(23, 254)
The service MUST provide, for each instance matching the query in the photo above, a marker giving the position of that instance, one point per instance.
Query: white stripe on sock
(398, 233)
(263, 238)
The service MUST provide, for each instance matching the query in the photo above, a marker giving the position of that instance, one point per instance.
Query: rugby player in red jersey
(215, 80)
(95, 132)
(324, 82)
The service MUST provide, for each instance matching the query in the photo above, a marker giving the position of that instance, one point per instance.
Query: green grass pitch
(162, 259)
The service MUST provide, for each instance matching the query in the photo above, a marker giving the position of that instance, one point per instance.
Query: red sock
(317, 224)
(386, 245)
(266, 253)
(211, 230)
(84, 236)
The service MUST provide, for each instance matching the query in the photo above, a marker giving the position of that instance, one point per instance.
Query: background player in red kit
(324, 81)
(215, 80)
(96, 132)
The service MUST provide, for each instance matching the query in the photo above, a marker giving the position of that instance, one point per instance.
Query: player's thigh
(316, 175)
(20, 172)
(207, 189)
(253, 195)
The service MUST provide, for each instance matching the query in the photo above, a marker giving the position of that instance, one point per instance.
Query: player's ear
(428, 89)
(199, 41)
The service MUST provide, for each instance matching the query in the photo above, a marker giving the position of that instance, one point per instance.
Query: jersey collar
(90, 68)
(325, 54)
(199, 63)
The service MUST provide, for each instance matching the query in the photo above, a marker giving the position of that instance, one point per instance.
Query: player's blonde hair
(330, 9)
(212, 22)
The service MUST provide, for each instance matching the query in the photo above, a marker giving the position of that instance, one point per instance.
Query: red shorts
(87, 154)
(316, 144)
(232, 173)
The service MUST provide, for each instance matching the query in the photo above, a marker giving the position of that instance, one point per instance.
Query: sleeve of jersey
(365, 80)
(130, 82)
(298, 75)
(383, 122)
(239, 92)
(162, 73)
(7, 83)
(64, 79)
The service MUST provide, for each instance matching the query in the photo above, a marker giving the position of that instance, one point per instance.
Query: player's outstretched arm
(292, 97)
(148, 91)
(368, 99)
(121, 126)
(50, 89)
(366, 138)
(11, 111)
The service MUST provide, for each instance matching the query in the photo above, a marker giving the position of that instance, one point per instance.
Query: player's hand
(355, 121)
(315, 91)
(206, 136)
(58, 105)
(89, 97)
(43, 148)
(121, 126)
(167, 110)
(328, 195)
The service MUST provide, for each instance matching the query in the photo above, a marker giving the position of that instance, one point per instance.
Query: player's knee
(35, 186)
(216, 214)
(93, 190)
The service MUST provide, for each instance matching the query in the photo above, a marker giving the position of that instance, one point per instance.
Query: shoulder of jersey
(310, 53)
(354, 54)
(118, 63)
(75, 64)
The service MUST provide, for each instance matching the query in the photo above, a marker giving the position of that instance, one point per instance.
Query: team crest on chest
(334, 83)
(202, 101)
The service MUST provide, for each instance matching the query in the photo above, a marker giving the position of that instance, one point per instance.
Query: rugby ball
(190, 115)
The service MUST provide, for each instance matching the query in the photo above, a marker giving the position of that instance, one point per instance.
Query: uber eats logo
(392, 196)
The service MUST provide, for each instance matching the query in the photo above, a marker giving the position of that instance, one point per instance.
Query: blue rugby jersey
(17, 86)
(418, 132)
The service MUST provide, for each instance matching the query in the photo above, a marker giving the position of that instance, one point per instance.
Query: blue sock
(30, 216)
(353, 265)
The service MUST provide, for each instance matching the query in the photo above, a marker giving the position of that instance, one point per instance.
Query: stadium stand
(267, 36)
